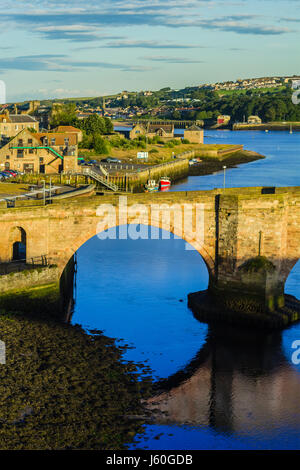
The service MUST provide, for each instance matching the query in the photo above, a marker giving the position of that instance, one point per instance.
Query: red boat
(164, 183)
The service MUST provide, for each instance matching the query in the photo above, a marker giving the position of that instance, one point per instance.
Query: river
(235, 390)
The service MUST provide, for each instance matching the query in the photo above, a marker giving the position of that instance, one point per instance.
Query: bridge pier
(256, 286)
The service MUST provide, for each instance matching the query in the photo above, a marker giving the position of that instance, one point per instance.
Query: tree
(270, 113)
(94, 124)
(64, 115)
(100, 145)
(108, 125)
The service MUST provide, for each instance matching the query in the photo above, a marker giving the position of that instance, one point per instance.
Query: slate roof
(20, 118)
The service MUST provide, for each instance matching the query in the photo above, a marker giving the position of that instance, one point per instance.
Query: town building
(161, 130)
(49, 153)
(137, 131)
(69, 130)
(194, 134)
(223, 120)
(254, 120)
(12, 124)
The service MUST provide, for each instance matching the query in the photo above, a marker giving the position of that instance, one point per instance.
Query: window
(28, 168)
(20, 143)
(29, 141)
(41, 160)
(20, 153)
(7, 157)
(53, 141)
(30, 150)
(66, 140)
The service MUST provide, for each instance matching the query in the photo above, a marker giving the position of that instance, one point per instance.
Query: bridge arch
(17, 243)
(85, 236)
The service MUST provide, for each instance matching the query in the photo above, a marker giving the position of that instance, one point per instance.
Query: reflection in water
(240, 382)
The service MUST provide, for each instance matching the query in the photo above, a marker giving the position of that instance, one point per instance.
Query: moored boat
(151, 186)
(164, 183)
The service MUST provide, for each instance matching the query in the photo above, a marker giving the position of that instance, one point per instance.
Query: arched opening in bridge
(18, 240)
(292, 285)
(137, 290)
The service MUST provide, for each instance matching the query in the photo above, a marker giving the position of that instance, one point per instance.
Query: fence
(24, 264)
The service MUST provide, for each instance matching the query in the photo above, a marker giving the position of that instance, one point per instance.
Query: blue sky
(57, 48)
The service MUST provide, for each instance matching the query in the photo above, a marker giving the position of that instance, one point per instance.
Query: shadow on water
(239, 382)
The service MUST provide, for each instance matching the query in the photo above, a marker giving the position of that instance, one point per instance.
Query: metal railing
(24, 264)
(101, 179)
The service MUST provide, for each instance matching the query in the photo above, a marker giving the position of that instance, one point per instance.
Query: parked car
(111, 160)
(4, 176)
(11, 172)
(8, 174)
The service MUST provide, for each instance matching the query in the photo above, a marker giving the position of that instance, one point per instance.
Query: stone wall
(28, 278)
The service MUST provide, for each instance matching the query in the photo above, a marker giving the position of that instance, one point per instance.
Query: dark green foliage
(65, 116)
(274, 105)
(118, 142)
(260, 264)
(95, 124)
(100, 145)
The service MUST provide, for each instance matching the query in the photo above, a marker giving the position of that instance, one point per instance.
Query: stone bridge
(249, 238)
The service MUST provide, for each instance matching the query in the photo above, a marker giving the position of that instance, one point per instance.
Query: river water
(227, 389)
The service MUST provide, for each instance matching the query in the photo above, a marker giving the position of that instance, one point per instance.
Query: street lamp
(50, 191)
(224, 168)
(44, 191)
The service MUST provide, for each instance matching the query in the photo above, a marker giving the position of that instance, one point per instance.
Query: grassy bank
(12, 188)
(159, 153)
